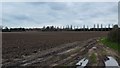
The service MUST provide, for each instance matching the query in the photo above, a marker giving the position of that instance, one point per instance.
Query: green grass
(93, 58)
(113, 45)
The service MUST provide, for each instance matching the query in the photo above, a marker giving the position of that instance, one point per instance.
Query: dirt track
(67, 54)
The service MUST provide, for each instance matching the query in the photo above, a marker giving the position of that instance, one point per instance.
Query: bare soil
(52, 48)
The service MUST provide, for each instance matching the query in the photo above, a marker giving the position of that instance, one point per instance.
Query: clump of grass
(93, 58)
(103, 52)
(110, 44)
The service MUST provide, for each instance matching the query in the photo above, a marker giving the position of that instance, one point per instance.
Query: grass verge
(110, 44)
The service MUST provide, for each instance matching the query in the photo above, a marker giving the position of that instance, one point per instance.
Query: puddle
(111, 62)
(82, 63)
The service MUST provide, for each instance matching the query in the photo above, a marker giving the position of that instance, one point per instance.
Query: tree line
(55, 28)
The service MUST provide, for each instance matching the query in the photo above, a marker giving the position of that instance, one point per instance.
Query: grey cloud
(62, 13)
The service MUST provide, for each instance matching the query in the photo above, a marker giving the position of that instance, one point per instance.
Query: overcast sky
(59, 0)
(38, 14)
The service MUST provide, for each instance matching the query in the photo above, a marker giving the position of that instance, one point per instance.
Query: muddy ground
(54, 48)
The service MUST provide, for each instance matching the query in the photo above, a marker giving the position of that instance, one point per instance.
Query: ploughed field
(19, 44)
(48, 48)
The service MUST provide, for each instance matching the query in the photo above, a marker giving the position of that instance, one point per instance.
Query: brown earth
(15, 45)
(51, 48)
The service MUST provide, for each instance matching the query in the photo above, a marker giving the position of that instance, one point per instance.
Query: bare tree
(94, 26)
(101, 26)
(105, 27)
(77, 27)
(71, 27)
(97, 25)
(108, 25)
(84, 27)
